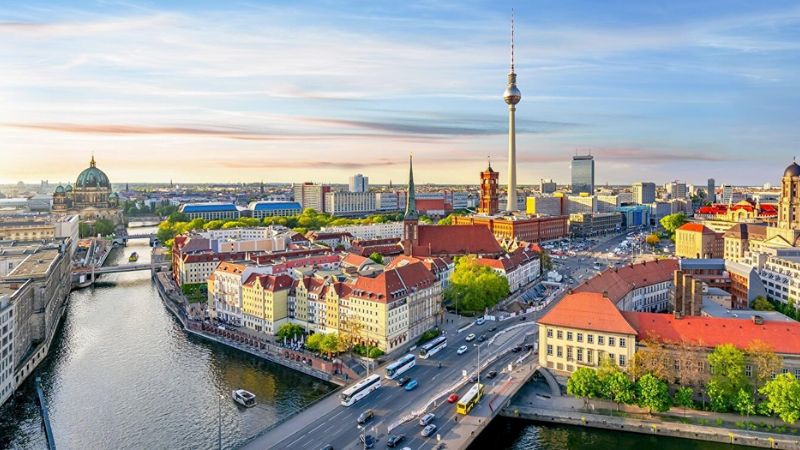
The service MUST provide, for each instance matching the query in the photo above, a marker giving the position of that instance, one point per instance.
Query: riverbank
(532, 404)
(309, 365)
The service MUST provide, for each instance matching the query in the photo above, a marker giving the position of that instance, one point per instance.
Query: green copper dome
(92, 177)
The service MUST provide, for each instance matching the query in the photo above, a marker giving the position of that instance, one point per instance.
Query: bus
(398, 367)
(429, 349)
(360, 390)
(470, 399)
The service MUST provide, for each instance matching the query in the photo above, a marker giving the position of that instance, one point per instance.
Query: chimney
(677, 314)
(605, 294)
(758, 320)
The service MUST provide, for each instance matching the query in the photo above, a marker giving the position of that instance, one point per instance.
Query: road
(391, 402)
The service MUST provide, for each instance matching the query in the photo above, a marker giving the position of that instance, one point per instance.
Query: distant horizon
(219, 92)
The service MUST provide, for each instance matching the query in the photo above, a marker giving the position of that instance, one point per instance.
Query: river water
(122, 375)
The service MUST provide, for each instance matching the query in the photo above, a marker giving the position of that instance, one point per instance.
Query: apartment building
(265, 302)
(694, 240)
(645, 286)
(372, 231)
(350, 203)
(520, 267)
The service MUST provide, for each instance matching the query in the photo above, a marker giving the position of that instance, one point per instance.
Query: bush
(428, 335)
(368, 351)
(195, 293)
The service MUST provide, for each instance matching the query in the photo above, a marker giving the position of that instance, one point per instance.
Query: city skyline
(250, 93)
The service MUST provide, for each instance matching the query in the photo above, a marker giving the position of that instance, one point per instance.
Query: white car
(470, 337)
(461, 350)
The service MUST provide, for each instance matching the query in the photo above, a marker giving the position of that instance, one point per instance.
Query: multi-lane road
(391, 402)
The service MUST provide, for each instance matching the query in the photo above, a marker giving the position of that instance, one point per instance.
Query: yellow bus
(470, 399)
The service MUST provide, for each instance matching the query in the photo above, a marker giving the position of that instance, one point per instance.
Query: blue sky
(318, 90)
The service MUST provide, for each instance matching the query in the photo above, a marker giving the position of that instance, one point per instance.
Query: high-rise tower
(512, 96)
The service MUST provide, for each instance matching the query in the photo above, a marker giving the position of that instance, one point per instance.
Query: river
(122, 374)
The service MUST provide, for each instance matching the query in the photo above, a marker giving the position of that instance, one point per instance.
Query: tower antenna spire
(512, 40)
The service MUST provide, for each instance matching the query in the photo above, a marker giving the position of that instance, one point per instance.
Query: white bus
(403, 364)
(361, 389)
(429, 349)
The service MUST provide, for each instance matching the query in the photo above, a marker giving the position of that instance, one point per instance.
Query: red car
(453, 398)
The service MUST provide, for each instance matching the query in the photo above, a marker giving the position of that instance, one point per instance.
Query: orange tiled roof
(436, 240)
(587, 311)
(618, 282)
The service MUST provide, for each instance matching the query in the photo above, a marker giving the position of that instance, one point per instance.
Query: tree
(330, 344)
(177, 217)
(652, 239)
(377, 257)
(672, 222)
(683, 398)
(762, 304)
(782, 395)
(289, 331)
(103, 227)
(743, 403)
(653, 393)
(314, 342)
(474, 287)
(765, 361)
(618, 388)
(653, 358)
(727, 376)
(584, 383)
(546, 261)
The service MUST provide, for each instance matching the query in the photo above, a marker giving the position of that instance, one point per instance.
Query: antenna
(512, 40)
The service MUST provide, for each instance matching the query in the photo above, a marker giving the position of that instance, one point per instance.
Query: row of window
(589, 353)
(601, 339)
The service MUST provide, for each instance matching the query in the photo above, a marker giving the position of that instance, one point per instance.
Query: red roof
(455, 240)
(394, 283)
(587, 311)
(430, 204)
(618, 282)
(783, 337)
(270, 282)
(695, 227)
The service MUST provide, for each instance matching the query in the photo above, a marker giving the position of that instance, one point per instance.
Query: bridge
(124, 238)
(86, 276)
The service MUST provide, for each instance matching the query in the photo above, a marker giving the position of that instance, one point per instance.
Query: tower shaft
(511, 204)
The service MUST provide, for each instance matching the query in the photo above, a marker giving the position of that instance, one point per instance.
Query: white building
(781, 278)
(210, 211)
(262, 209)
(644, 193)
(520, 267)
(577, 204)
(349, 203)
(390, 201)
(7, 332)
(359, 183)
(608, 203)
(373, 231)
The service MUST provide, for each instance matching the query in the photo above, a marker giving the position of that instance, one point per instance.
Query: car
(516, 349)
(528, 346)
(463, 349)
(328, 447)
(470, 337)
(481, 338)
(429, 430)
(493, 328)
(395, 439)
(411, 385)
(365, 417)
(367, 440)
(492, 373)
(452, 398)
(473, 379)
(480, 321)
(403, 380)
(426, 419)
(523, 317)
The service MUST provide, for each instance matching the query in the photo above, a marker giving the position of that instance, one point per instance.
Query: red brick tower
(488, 203)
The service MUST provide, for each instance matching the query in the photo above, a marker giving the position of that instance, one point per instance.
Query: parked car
(403, 380)
(368, 440)
(429, 430)
(492, 373)
(463, 349)
(411, 385)
(480, 321)
(365, 417)
(452, 398)
(426, 419)
(470, 337)
(395, 439)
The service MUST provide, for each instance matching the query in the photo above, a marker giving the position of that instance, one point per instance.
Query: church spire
(92, 163)
(411, 203)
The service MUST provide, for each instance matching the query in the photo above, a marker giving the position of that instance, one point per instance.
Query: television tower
(512, 96)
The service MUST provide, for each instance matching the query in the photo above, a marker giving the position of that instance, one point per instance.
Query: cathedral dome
(92, 177)
(68, 188)
(60, 189)
(792, 171)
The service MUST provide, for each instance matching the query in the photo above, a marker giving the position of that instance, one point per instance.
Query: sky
(284, 91)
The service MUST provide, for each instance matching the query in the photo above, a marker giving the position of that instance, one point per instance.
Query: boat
(244, 398)
(134, 257)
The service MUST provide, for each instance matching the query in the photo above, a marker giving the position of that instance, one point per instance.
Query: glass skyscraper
(582, 174)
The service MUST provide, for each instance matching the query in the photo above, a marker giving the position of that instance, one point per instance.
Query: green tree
(762, 304)
(330, 344)
(683, 397)
(214, 225)
(289, 331)
(782, 395)
(546, 261)
(653, 393)
(584, 383)
(177, 217)
(743, 403)
(672, 222)
(727, 376)
(618, 388)
(377, 257)
(104, 227)
(314, 342)
(474, 287)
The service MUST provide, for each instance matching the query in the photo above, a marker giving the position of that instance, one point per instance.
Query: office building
(694, 240)
(349, 203)
(711, 191)
(311, 196)
(584, 203)
(594, 224)
(644, 193)
(547, 186)
(582, 174)
(676, 190)
(359, 183)
(259, 210)
(727, 194)
(210, 211)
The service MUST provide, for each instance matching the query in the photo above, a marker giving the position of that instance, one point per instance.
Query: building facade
(489, 198)
(311, 196)
(582, 174)
(694, 240)
(350, 203)
(358, 183)
(262, 209)
(210, 211)
(644, 193)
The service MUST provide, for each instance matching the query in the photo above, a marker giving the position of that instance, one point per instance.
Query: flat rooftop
(36, 264)
(712, 309)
